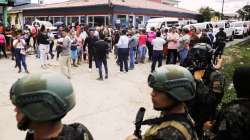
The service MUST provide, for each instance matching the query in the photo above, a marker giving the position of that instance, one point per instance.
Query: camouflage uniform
(177, 83)
(209, 90)
(180, 127)
(233, 122)
(74, 131)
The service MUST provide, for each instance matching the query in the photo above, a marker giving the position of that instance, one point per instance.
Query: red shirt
(142, 39)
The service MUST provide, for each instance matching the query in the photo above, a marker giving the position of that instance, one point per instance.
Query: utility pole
(111, 11)
(222, 10)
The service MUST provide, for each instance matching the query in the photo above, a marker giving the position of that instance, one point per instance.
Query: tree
(206, 13)
(244, 12)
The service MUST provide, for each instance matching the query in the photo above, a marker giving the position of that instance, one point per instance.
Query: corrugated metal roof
(146, 4)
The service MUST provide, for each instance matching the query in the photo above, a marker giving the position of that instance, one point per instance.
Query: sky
(231, 6)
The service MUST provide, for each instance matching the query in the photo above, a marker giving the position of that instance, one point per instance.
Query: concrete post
(5, 16)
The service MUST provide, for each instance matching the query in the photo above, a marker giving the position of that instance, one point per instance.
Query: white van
(201, 26)
(162, 23)
(183, 23)
(227, 26)
(240, 28)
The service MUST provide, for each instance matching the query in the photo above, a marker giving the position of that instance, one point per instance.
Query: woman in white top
(20, 52)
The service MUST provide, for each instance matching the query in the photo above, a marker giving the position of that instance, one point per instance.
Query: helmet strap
(23, 124)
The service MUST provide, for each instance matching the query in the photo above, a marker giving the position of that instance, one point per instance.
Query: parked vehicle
(204, 25)
(248, 27)
(241, 29)
(162, 23)
(227, 26)
(183, 23)
(37, 23)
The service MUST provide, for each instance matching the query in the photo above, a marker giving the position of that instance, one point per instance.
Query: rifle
(138, 122)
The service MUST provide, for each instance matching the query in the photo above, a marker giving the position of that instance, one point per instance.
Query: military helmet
(43, 97)
(173, 80)
(201, 53)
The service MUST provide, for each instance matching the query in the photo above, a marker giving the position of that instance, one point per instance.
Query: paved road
(107, 108)
(236, 41)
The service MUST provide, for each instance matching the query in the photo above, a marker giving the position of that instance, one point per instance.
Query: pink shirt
(151, 36)
(173, 40)
(2, 39)
(142, 40)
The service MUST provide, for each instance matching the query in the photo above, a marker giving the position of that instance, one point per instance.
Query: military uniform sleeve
(169, 133)
(228, 126)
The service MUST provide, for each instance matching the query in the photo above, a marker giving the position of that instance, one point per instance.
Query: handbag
(23, 52)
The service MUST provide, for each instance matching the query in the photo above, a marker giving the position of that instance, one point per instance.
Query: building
(104, 12)
(167, 2)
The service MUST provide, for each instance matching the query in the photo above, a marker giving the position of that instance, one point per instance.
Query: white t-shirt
(158, 43)
(19, 45)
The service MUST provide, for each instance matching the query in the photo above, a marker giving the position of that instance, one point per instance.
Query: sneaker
(106, 77)
(90, 70)
(19, 71)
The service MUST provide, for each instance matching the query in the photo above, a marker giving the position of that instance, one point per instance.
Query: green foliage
(207, 13)
(238, 55)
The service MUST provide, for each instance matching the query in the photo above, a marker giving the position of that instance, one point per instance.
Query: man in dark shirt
(101, 49)
(90, 41)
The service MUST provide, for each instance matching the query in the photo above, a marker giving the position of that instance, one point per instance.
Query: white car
(240, 28)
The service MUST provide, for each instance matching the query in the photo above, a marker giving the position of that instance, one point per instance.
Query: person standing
(133, 44)
(65, 62)
(142, 50)
(172, 86)
(90, 41)
(43, 46)
(221, 37)
(73, 48)
(101, 49)
(151, 36)
(123, 51)
(158, 44)
(51, 43)
(80, 42)
(184, 46)
(173, 38)
(20, 52)
(2, 45)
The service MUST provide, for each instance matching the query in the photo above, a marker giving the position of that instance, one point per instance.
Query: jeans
(99, 64)
(20, 59)
(157, 56)
(43, 51)
(91, 57)
(183, 55)
(132, 58)
(123, 58)
(150, 50)
(2, 48)
(142, 53)
(172, 56)
(65, 64)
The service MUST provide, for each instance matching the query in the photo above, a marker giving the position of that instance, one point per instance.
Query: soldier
(41, 101)
(209, 85)
(220, 43)
(172, 86)
(233, 121)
